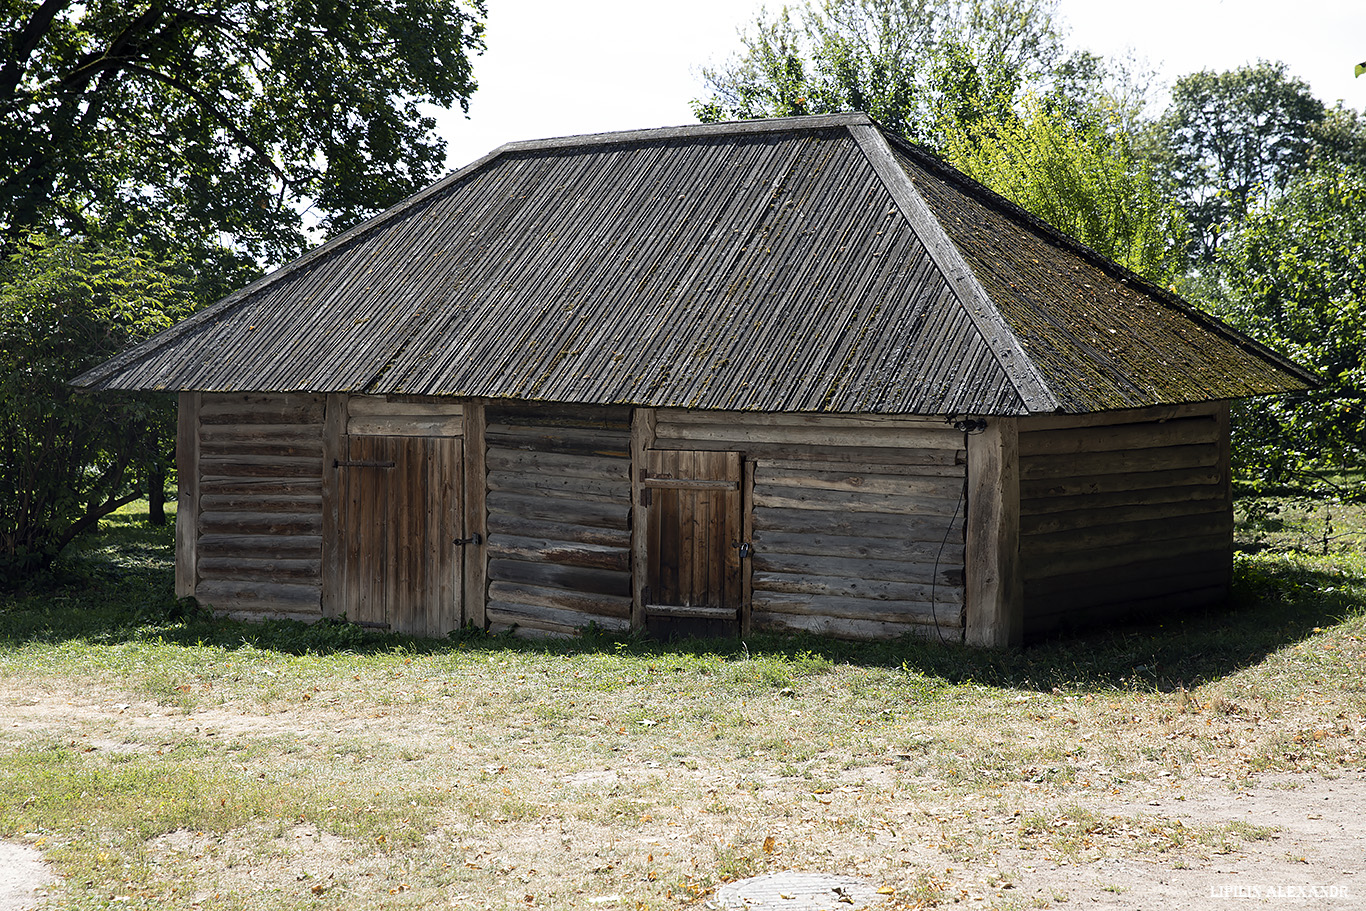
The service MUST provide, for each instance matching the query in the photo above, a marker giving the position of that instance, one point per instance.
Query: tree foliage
(1231, 141)
(1294, 277)
(67, 458)
(1082, 179)
(197, 122)
(910, 64)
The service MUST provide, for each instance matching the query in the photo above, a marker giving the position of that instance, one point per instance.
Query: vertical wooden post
(995, 595)
(747, 537)
(1225, 443)
(642, 440)
(187, 494)
(476, 515)
(334, 448)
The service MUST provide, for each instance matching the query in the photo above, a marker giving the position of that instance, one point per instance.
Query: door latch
(746, 549)
(472, 539)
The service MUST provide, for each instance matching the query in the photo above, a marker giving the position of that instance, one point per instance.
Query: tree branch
(223, 120)
(27, 41)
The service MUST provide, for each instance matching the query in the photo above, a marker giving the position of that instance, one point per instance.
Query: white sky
(556, 68)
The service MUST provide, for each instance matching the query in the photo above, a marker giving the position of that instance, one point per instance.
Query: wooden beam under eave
(187, 494)
(994, 585)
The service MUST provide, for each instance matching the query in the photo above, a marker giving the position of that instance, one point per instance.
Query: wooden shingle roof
(808, 264)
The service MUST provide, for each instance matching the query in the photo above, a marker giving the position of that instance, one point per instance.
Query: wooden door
(694, 513)
(398, 522)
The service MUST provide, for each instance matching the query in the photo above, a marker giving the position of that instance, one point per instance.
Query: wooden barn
(778, 375)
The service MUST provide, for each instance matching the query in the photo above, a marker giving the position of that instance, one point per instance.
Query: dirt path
(23, 877)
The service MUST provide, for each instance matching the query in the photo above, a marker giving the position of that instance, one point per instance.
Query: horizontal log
(742, 431)
(1214, 496)
(569, 578)
(293, 503)
(260, 408)
(859, 482)
(269, 487)
(955, 468)
(365, 405)
(1093, 559)
(873, 590)
(1156, 413)
(835, 455)
(947, 550)
(502, 523)
(768, 495)
(249, 466)
(601, 488)
(232, 594)
(544, 550)
(1190, 563)
(1163, 459)
(1080, 520)
(569, 511)
(1117, 611)
(1046, 489)
(1181, 432)
(549, 414)
(254, 546)
(691, 611)
(1137, 534)
(522, 461)
(591, 606)
(271, 569)
(855, 524)
(1103, 591)
(274, 433)
(271, 448)
(790, 419)
(946, 573)
(845, 628)
(405, 426)
(503, 614)
(947, 613)
(260, 523)
(548, 438)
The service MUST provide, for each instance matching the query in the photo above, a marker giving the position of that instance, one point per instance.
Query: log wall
(258, 503)
(857, 522)
(558, 516)
(1123, 513)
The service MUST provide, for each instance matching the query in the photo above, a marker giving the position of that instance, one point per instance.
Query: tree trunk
(156, 494)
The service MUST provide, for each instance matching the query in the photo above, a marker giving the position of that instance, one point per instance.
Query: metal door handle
(472, 539)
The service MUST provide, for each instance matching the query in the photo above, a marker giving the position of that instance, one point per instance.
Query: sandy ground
(23, 877)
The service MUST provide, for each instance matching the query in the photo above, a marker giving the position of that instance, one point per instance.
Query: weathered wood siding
(857, 521)
(558, 513)
(259, 504)
(1123, 513)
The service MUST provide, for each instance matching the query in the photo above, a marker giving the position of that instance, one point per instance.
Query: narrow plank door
(693, 534)
(399, 519)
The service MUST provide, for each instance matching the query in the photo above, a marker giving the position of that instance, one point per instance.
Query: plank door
(398, 523)
(694, 527)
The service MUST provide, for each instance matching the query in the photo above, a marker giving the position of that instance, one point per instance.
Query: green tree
(1231, 141)
(1084, 180)
(199, 122)
(1294, 277)
(216, 135)
(910, 64)
(67, 458)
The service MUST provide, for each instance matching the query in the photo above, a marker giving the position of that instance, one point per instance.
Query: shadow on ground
(120, 589)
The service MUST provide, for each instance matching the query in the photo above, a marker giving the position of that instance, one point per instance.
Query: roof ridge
(1010, 355)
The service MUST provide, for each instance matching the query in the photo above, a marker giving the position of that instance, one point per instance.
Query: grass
(161, 757)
